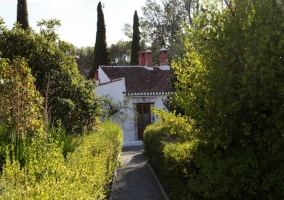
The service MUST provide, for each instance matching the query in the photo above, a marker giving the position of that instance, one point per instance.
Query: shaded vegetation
(229, 144)
(101, 54)
(22, 14)
(135, 46)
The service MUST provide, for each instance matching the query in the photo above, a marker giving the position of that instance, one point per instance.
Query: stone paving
(134, 180)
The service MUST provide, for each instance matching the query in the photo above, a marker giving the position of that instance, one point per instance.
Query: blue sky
(78, 17)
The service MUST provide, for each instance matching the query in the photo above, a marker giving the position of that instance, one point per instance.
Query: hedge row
(196, 169)
(84, 174)
(230, 86)
(169, 158)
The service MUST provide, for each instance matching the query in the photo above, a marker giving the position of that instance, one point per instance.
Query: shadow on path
(134, 180)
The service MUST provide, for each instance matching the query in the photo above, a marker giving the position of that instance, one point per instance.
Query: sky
(78, 17)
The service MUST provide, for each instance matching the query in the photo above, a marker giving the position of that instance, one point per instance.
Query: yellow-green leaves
(230, 84)
(20, 104)
(56, 75)
(84, 174)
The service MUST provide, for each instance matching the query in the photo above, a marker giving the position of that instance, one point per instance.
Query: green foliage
(85, 53)
(135, 47)
(181, 126)
(84, 174)
(20, 102)
(101, 54)
(68, 142)
(120, 52)
(230, 85)
(68, 97)
(22, 14)
(20, 107)
(233, 91)
(162, 25)
(155, 136)
(170, 150)
(171, 105)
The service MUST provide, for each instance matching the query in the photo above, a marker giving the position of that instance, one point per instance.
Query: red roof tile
(141, 80)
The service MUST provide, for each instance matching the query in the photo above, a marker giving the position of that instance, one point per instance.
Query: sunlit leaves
(20, 103)
(84, 174)
(230, 85)
(56, 74)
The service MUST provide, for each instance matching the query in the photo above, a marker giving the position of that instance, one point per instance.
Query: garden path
(135, 180)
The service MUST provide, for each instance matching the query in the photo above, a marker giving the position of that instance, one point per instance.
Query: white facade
(116, 89)
(129, 129)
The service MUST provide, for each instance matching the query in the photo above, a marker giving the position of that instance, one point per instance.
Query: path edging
(157, 181)
(113, 181)
(161, 188)
(112, 184)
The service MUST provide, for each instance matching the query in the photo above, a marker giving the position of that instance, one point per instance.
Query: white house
(145, 85)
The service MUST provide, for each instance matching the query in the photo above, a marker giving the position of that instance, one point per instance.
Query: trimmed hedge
(84, 174)
(171, 160)
(196, 169)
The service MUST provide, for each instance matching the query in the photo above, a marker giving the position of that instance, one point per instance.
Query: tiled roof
(141, 81)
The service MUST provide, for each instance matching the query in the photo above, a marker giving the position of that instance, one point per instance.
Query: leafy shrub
(230, 85)
(170, 154)
(68, 142)
(84, 174)
(20, 107)
(155, 136)
(68, 97)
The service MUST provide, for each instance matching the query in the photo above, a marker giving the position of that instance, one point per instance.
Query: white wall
(129, 128)
(115, 90)
(103, 78)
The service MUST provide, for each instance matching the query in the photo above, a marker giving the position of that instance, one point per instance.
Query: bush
(230, 85)
(155, 136)
(169, 155)
(192, 168)
(20, 107)
(84, 174)
(68, 97)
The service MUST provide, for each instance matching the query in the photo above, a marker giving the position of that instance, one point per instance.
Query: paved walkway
(134, 180)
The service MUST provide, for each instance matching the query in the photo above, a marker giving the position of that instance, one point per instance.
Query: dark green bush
(230, 85)
(196, 169)
(171, 158)
(155, 137)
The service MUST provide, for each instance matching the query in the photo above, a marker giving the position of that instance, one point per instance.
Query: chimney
(148, 58)
(164, 57)
(141, 58)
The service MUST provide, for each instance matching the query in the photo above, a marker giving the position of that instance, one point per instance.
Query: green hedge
(84, 174)
(196, 169)
(230, 84)
(170, 158)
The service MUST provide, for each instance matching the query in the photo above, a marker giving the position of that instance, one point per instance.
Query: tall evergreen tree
(101, 54)
(22, 14)
(135, 47)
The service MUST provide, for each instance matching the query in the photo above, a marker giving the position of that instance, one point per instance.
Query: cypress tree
(22, 14)
(135, 47)
(101, 54)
